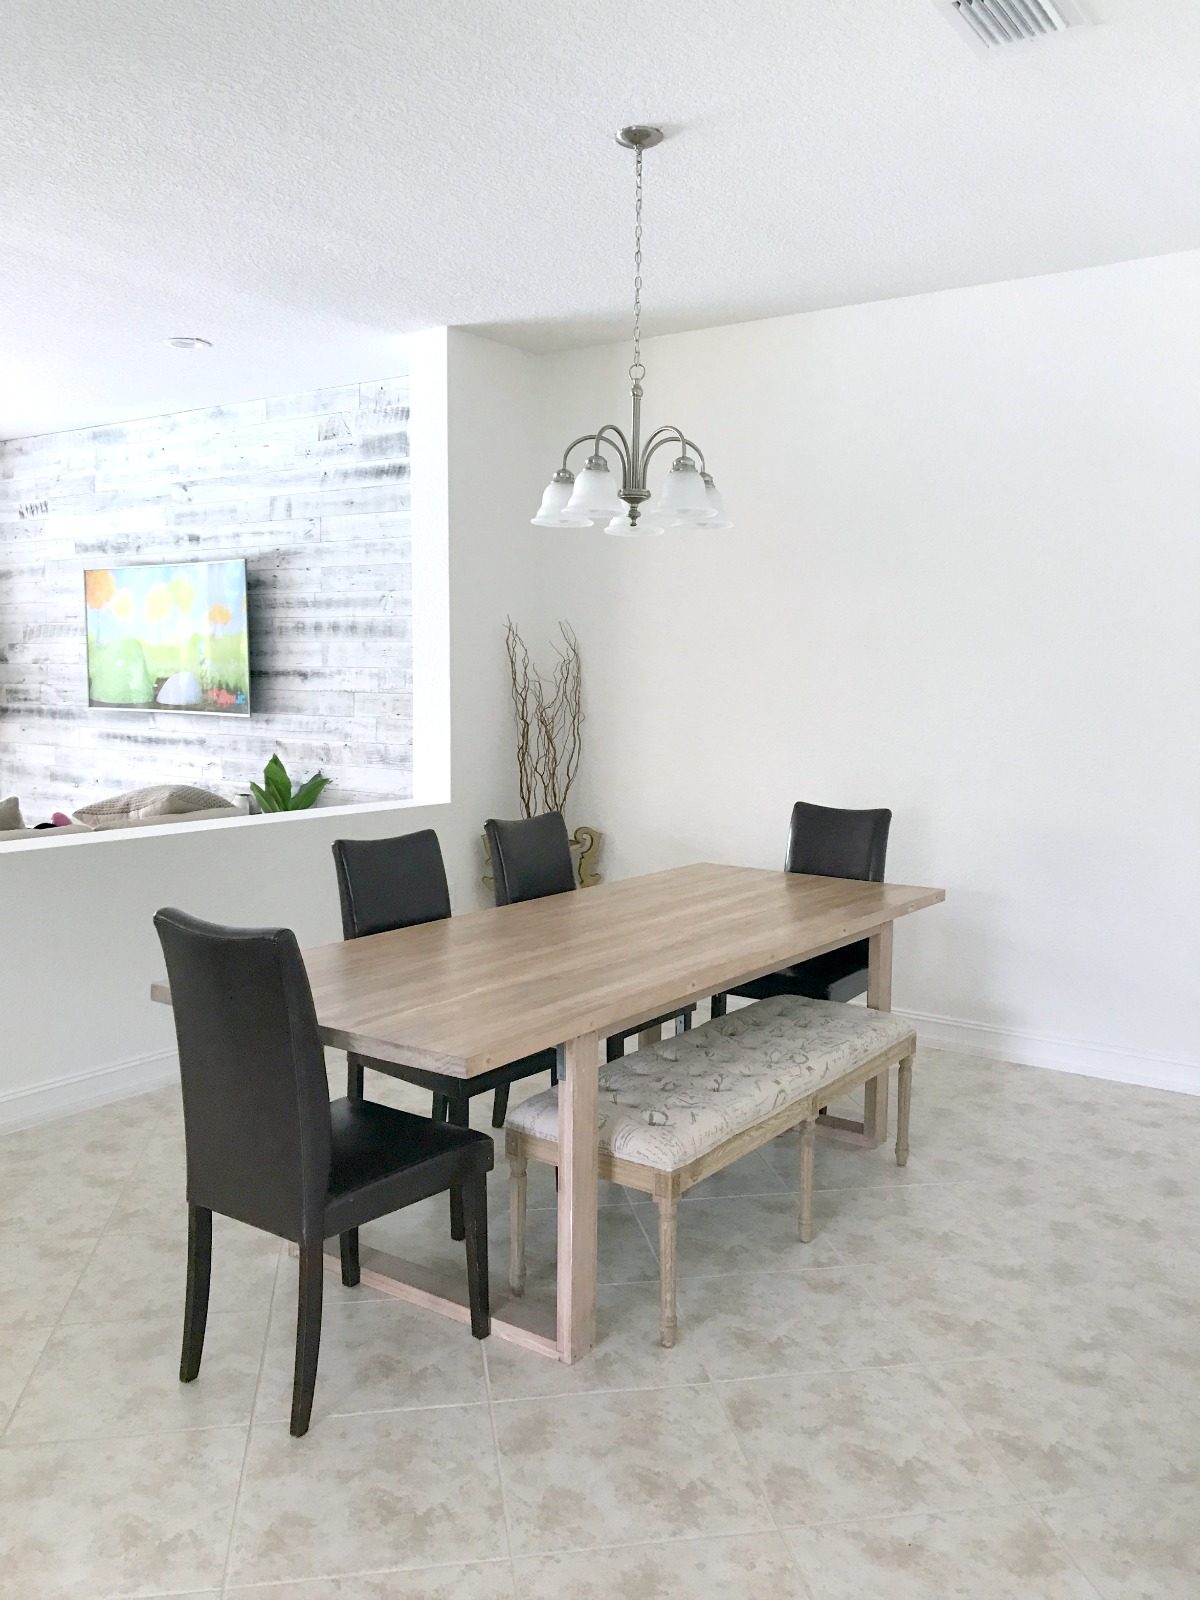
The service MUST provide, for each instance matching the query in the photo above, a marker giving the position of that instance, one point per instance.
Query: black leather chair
(828, 843)
(266, 1146)
(531, 858)
(397, 883)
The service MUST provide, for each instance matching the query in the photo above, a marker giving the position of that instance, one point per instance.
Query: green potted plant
(277, 792)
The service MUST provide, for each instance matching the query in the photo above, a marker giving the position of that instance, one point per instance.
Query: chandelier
(687, 497)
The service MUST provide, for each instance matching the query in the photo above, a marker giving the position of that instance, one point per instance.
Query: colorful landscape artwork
(169, 638)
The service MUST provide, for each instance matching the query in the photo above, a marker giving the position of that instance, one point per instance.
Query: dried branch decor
(549, 713)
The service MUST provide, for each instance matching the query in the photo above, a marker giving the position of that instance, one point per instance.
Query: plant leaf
(266, 802)
(307, 793)
(277, 782)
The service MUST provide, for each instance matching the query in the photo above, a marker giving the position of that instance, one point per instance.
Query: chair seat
(837, 975)
(380, 1153)
(665, 1106)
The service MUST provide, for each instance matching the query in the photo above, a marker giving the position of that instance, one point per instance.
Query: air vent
(997, 22)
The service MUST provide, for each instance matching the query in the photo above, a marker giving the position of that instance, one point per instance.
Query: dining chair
(386, 884)
(531, 859)
(266, 1145)
(828, 843)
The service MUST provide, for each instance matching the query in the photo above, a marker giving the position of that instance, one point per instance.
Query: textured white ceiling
(302, 182)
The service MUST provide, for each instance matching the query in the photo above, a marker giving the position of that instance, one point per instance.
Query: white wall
(77, 942)
(963, 582)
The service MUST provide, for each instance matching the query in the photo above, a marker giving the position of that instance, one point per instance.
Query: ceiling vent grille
(997, 22)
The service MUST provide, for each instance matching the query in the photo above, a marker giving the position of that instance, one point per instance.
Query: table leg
(879, 997)
(577, 1194)
(649, 1036)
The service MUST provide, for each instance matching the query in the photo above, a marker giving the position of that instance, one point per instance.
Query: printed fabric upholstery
(664, 1106)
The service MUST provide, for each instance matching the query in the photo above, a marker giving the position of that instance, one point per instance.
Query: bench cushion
(664, 1106)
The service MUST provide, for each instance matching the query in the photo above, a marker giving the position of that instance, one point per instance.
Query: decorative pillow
(10, 815)
(162, 800)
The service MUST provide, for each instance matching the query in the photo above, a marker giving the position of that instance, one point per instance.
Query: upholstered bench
(673, 1113)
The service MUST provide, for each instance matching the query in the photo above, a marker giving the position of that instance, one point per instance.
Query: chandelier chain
(637, 371)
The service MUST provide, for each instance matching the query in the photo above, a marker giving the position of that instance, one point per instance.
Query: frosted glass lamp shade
(595, 493)
(684, 496)
(719, 517)
(644, 528)
(553, 513)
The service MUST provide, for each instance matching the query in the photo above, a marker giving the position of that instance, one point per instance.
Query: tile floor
(982, 1380)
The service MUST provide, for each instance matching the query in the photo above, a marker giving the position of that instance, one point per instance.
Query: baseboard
(81, 1091)
(1060, 1055)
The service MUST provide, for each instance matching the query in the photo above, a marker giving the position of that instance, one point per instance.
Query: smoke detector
(990, 23)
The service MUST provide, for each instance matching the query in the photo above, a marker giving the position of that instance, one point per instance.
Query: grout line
(757, 1481)
(1035, 1508)
(262, 1361)
(487, 1384)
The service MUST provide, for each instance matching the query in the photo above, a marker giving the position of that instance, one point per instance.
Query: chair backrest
(531, 858)
(838, 844)
(390, 883)
(255, 1092)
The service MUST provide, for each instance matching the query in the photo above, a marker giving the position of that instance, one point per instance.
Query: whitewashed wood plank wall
(313, 490)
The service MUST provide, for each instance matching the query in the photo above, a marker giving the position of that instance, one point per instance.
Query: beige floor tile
(19, 1352)
(1006, 1554)
(1073, 1426)
(156, 1188)
(627, 1354)
(367, 1493)
(143, 1273)
(481, 1581)
(380, 1355)
(106, 1517)
(1135, 1546)
(960, 1309)
(934, 1222)
(753, 1233)
(595, 1469)
(754, 1325)
(38, 1273)
(748, 1568)
(856, 1444)
(137, 1363)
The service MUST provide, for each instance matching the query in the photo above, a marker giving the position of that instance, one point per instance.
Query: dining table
(475, 991)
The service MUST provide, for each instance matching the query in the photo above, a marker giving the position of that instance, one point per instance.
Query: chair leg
(668, 1209)
(458, 1112)
(518, 1205)
(441, 1107)
(903, 1110)
(614, 1049)
(350, 1267)
(474, 1193)
(308, 1335)
(683, 1022)
(500, 1106)
(718, 1005)
(808, 1139)
(354, 1078)
(195, 1309)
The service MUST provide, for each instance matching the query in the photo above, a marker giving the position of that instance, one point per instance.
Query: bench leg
(668, 1213)
(903, 1109)
(808, 1139)
(518, 1199)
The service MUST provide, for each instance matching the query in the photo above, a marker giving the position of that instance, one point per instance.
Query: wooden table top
(479, 990)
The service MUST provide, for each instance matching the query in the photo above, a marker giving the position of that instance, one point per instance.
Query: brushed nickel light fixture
(688, 497)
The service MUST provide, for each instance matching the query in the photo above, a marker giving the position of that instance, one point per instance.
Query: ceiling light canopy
(687, 496)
